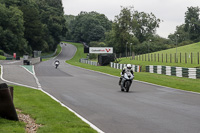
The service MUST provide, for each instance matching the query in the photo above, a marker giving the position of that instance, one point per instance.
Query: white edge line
(33, 73)
(15, 82)
(27, 70)
(140, 81)
(36, 79)
(82, 118)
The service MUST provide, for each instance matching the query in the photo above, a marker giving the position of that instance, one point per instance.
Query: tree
(180, 35)
(68, 19)
(192, 23)
(131, 26)
(87, 27)
(34, 30)
(144, 25)
(12, 30)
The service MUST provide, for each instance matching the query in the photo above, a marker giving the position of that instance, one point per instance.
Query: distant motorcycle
(57, 63)
(126, 81)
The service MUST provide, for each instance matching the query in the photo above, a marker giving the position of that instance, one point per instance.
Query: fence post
(191, 58)
(198, 57)
(145, 57)
(155, 57)
(151, 57)
(158, 57)
(180, 57)
(166, 57)
(170, 58)
(186, 58)
(142, 56)
(175, 58)
(148, 57)
(162, 57)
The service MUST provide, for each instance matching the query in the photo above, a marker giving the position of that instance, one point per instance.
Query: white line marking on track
(40, 88)
(14, 82)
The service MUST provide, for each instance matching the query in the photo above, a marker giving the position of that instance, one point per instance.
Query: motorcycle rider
(57, 62)
(125, 69)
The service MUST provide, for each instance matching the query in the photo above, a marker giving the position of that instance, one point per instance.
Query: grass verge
(164, 80)
(45, 111)
(2, 57)
(192, 48)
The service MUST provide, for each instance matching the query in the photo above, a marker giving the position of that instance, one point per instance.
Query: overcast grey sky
(172, 12)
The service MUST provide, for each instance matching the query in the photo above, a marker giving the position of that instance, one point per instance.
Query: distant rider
(57, 62)
(124, 70)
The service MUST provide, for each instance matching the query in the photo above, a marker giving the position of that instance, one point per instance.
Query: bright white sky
(172, 12)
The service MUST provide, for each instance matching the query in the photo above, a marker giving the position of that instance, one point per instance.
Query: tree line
(27, 25)
(131, 30)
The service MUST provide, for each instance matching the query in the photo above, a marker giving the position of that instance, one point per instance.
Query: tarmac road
(97, 97)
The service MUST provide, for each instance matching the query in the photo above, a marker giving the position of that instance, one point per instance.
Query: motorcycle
(56, 64)
(126, 81)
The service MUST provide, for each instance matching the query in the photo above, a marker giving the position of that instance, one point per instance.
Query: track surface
(97, 97)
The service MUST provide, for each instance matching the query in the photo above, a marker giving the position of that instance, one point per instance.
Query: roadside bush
(1, 52)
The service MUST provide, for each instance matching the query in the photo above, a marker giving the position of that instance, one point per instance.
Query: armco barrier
(136, 68)
(86, 61)
(192, 73)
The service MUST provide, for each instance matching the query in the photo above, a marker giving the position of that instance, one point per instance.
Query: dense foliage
(88, 27)
(135, 28)
(189, 31)
(27, 25)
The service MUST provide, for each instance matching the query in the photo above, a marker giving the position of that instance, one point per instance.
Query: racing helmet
(129, 66)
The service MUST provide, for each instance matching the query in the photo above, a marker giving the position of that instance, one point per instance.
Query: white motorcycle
(126, 81)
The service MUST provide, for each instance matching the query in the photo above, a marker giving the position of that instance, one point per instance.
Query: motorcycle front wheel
(127, 85)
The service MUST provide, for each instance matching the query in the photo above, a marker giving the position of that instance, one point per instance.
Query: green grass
(45, 111)
(140, 60)
(2, 57)
(164, 80)
(8, 126)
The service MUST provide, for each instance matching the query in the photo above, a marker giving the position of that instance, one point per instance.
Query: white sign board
(101, 50)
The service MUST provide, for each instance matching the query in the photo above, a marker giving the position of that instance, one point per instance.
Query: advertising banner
(101, 50)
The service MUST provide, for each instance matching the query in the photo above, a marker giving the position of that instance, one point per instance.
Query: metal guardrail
(136, 68)
(86, 61)
(50, 55)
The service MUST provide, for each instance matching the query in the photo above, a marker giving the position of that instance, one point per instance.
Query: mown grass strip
(169, 81)
(45, 111)
(7, 126)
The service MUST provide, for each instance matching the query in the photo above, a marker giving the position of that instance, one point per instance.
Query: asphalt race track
(97, 97)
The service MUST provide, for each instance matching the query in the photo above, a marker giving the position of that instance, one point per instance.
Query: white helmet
(129, 66)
